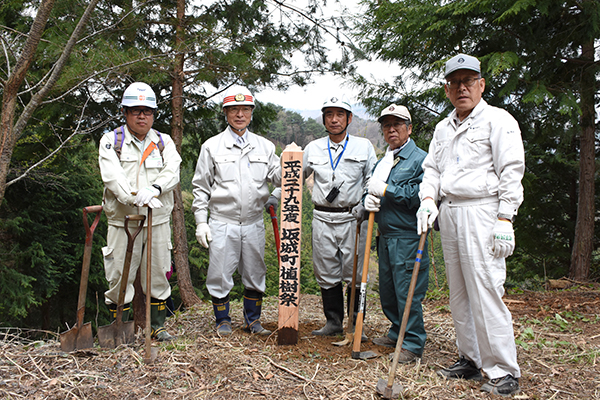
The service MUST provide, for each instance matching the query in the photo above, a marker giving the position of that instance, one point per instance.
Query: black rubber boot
(333, 308)
(222, 318)
(112, 309)
(158, 314)
(363, 337)
(252, 310)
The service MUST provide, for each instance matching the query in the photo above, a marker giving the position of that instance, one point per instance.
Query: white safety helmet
(238, 96)
(337, 101)
(139, 94)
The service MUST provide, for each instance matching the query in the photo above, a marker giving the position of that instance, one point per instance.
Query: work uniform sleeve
(204, 178)
(113, 174)
(509, 161)
(168, 178)
(274, 174)
(369, 165)
(430, 186)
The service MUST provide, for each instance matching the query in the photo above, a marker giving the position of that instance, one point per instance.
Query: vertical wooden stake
(291, 229)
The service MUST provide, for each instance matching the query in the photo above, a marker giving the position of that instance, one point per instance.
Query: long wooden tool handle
(275, 231)
(87, 255)
(148, 357)
(354, 268)
(363, 287)
(409, 297)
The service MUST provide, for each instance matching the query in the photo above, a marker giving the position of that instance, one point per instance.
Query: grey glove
(360, 213)
(273, 201)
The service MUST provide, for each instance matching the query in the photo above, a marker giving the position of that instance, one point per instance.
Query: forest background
(65, 64)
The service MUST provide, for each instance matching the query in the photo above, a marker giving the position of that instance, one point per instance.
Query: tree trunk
(180, 251)
(8, 138)
(584, 228)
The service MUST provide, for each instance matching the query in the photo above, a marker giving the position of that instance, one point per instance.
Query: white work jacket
(232, 182)
(482, 157)
(354, 169)
(125, 177)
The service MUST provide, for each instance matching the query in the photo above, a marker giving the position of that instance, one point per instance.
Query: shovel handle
(127, 263)
(87, 255)
(148, 342)
(405, 315)
(363, 288)
(354, 270)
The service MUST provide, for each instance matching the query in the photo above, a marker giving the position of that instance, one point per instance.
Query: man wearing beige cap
(394, 196)
(474, 169)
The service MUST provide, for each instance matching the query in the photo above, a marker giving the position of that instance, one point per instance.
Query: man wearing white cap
(140, 169)
(474, 168)
(231, 182)
(393, 193)
(341, 165)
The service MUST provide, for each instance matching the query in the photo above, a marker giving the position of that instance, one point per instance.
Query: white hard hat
(139, 94)
(238, 96)
(340, 102)
(396, 111)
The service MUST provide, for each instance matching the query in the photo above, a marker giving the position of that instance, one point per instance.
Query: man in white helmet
(474, 167)
(140, 169)
(394, 197)
(231, 184)
(341, 165)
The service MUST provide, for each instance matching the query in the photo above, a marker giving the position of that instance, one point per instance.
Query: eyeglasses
(397, 125)
(137, 111)
(455, 84)
(235, 110)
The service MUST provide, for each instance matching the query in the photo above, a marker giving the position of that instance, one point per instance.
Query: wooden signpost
(291, 229)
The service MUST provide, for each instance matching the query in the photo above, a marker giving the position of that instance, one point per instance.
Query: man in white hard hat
(393, 194)
(140, 169)
(231, 182)
(341, 165)
(474, 167)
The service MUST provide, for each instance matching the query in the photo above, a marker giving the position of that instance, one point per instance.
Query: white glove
(372, 203)
(273, 201)
(155, 203)
(203, 234)
(360, 213)
(503, 239)
(377, 187)
(144, 196)
(426, 215)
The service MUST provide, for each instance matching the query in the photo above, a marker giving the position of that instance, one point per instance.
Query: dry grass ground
(558, 336)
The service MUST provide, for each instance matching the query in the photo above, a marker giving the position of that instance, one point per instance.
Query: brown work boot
(406, 356)
(384, 341)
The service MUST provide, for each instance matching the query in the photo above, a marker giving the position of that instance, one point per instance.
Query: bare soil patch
(558, 336)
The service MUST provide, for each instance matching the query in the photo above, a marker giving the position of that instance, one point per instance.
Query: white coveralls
(475, 168)
(334, 233)
(121, 179)
(231, 182)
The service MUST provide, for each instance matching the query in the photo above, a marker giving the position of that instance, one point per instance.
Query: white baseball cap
(396, 111)
(462, 61)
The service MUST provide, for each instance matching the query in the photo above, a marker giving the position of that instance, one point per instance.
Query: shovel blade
(112, 336)
(77, 338)
(364, 355)
(388, 392)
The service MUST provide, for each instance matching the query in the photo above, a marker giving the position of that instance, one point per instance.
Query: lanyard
(149, 150)
(340, 156)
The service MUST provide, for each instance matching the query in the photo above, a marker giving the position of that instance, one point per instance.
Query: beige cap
(396, 111)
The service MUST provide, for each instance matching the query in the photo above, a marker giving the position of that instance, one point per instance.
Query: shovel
(80, 336)
(356, 353)
(119, 332)
(349, 333)
(390, 390)
(151, 352)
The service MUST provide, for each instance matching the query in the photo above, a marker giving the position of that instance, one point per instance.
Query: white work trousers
(483, 323)
(333, 252)
(114, 259)
(240, 247)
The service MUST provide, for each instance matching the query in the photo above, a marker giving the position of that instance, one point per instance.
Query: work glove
(203, 234)
(360, 213)
(155, 203)
(426, 215)
(146, 194)
(372, 203)
(377, 187)
(503, 239)
(273, 201)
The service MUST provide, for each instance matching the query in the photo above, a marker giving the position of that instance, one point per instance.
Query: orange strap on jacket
(147, 152)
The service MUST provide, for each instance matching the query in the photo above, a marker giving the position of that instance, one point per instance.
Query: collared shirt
(481, 157)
